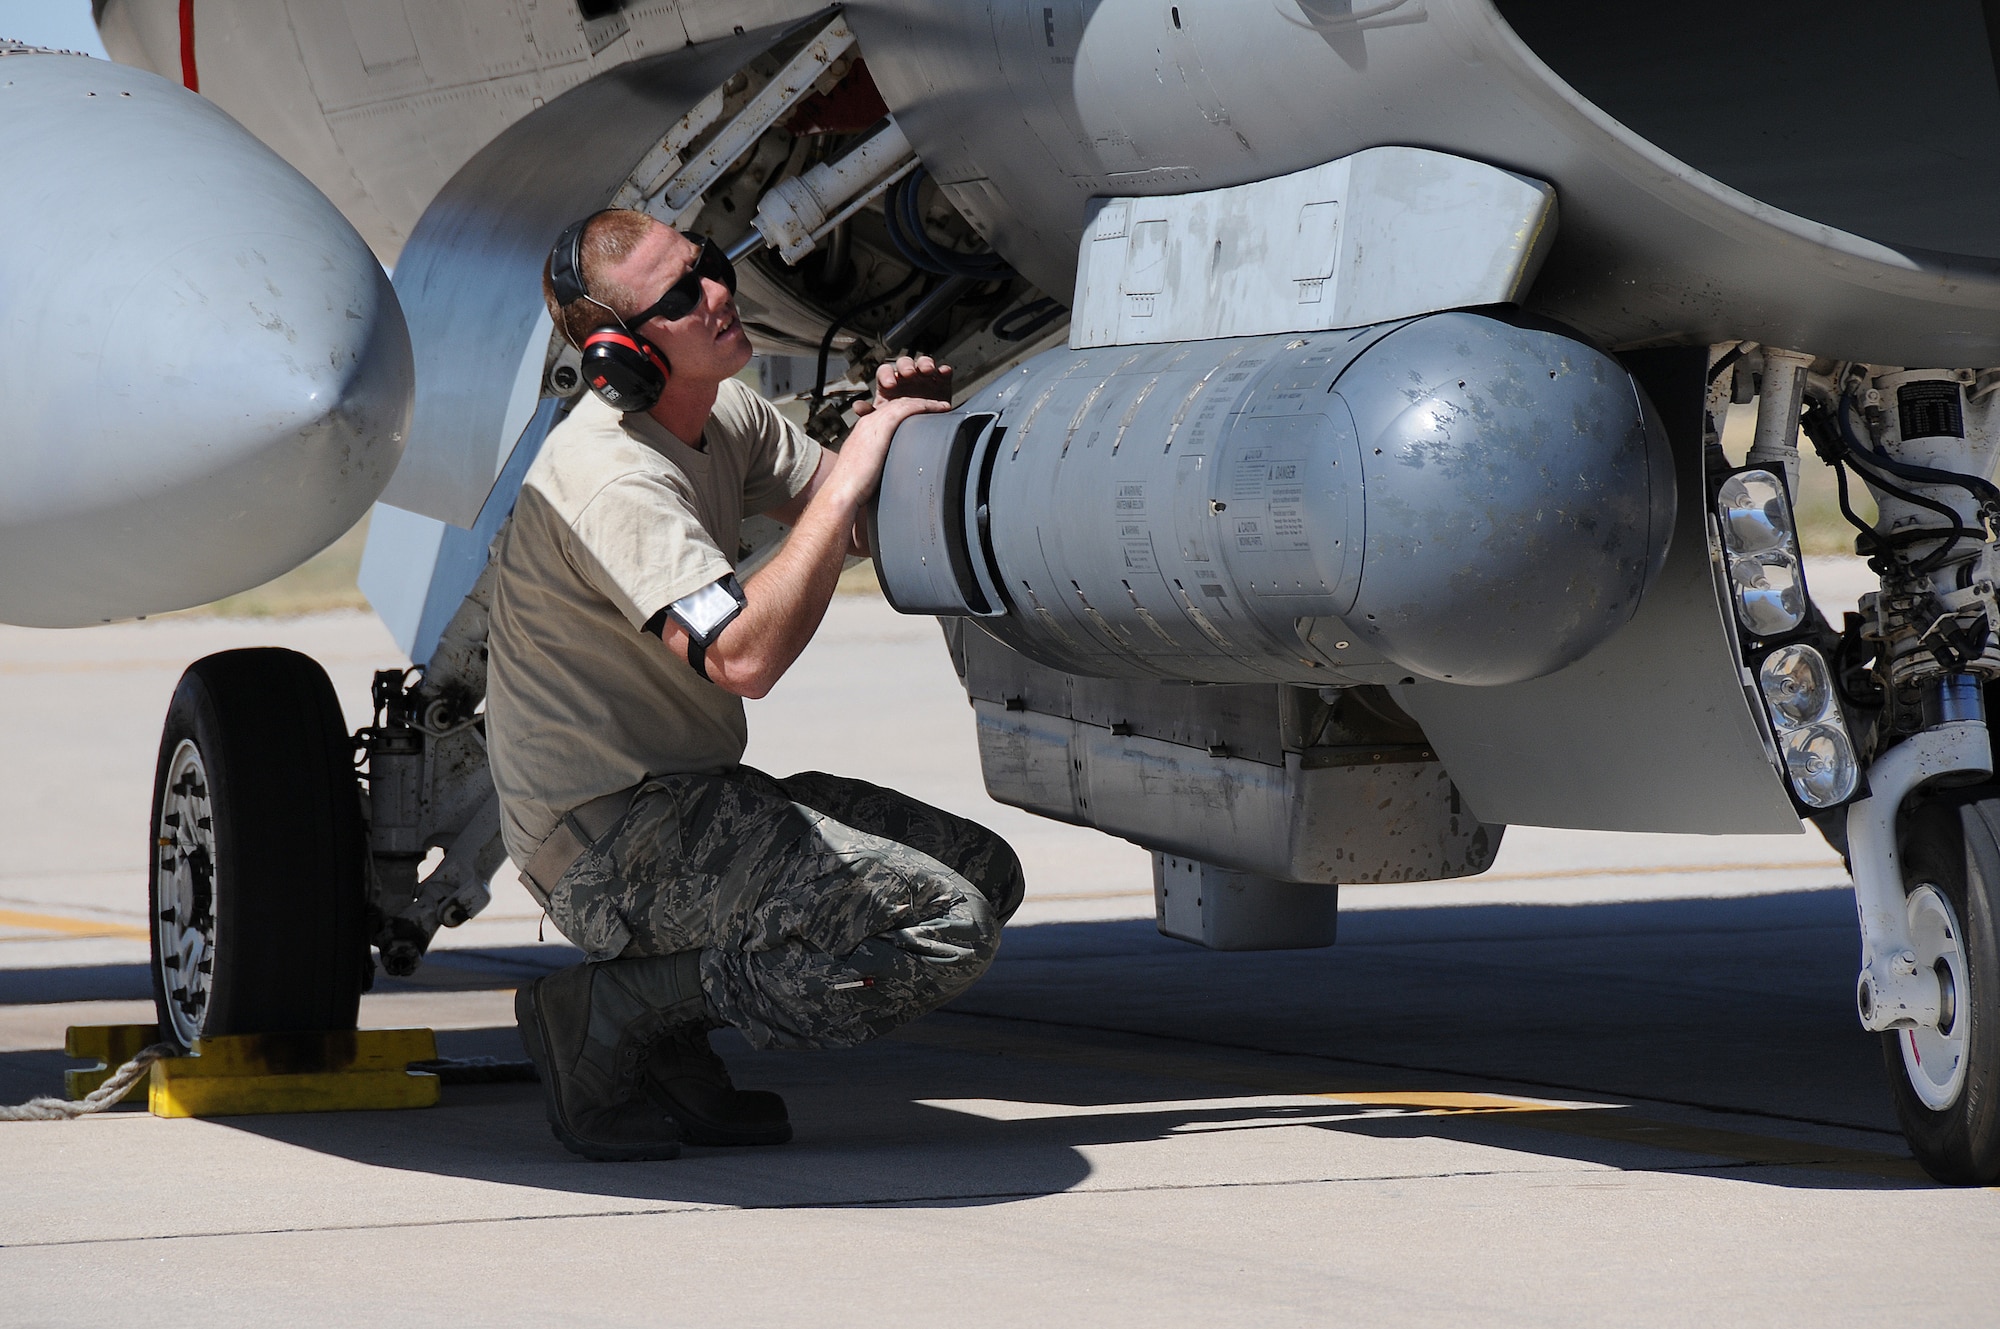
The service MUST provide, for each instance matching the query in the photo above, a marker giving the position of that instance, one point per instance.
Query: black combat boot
(591, 1030)
(687, 1079)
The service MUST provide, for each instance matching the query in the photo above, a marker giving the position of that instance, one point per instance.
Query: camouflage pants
(827, 911)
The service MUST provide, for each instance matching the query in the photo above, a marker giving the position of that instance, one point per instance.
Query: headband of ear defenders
(566, 261)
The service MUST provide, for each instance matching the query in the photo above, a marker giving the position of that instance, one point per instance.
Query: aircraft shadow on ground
(1732, 1017)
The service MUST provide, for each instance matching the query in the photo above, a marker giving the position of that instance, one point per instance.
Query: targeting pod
(1460, 497)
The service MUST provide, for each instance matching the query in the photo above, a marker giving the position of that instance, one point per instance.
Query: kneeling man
(809, 912)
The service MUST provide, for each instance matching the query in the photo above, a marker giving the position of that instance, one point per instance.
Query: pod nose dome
(205, 377)
(1521, 498)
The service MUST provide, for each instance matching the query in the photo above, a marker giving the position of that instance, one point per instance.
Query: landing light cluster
(1819, 757)
(1767, 575)
(1764, 567)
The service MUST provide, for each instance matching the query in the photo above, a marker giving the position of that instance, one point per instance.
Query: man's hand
(908, 377)
(858, 464)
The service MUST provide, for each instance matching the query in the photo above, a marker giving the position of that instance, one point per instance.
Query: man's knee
(963, 845)
(924, 965)
(808, 997)
(967, 935)
(998, 875)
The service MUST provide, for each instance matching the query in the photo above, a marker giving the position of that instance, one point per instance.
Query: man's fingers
(909, 376)
(863, 406)
(902, 408)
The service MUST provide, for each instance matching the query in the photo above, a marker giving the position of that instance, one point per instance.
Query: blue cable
(893, 217)
(907, 233)
(892, 207)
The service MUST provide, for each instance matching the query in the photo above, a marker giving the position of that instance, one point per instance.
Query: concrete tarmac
(1616, 1079)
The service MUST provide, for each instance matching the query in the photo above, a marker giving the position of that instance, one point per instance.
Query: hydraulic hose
(1023, 323)
(907, 234)
(840, 320)
(1985, 491)
(1836, 445)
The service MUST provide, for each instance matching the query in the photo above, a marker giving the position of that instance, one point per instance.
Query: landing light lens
(1820, 761)
(1770, 594)
(1755, 515)
(1760, 544)
(1795, 685)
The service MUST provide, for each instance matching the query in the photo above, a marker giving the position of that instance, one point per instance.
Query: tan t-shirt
(617, 519)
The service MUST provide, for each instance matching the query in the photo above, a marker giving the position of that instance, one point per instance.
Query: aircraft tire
(1949, 1103)
(257, 878)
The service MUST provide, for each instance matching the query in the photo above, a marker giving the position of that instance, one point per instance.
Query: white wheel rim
(1935, 1059)
(184, 927)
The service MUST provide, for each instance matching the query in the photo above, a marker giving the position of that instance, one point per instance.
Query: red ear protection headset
(624, 369)
(621, 366)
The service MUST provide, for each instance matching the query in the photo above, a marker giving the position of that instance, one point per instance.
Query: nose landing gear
(258, 857)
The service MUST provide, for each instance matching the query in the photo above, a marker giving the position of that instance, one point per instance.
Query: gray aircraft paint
(381, 102)
(1381, 235)
(1650, 732)
(471, 273)
(1026, 111)
(205, 377)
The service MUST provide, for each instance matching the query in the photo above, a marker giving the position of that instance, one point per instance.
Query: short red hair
(610, 237)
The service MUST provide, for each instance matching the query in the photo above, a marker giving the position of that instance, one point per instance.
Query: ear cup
(628, 372)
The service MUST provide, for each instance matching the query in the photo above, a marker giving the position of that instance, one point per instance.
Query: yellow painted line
(1654, 870)
(120, 666)
(1443, 1103)
(1560, 874)
(1734, 1146)
(66, 926)
(1009, 1109)
(1375, 1107)
(1089, 1049)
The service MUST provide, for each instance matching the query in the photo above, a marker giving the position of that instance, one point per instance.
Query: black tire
(272, 888)
(1960, 1143)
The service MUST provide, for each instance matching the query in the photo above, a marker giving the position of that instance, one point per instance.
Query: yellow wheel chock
(111, 1044)
(240, 1074)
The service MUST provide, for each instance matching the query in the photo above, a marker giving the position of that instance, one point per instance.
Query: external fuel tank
(205, 377)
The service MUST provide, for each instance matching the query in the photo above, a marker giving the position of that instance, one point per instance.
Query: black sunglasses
(684, 296)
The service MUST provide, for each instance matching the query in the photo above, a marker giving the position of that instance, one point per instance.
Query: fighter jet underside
(1336, 480)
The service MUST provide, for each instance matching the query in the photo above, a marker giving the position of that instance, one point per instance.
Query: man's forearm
(784, 603)
(787, 598)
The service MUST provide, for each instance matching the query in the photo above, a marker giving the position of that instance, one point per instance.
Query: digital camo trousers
(827, 911)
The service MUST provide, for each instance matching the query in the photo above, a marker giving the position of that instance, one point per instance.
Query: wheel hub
(1935, 1059)
(184, 927)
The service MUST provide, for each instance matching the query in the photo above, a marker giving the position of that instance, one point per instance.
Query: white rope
(113, 1089)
